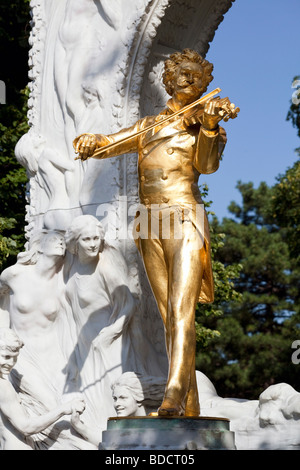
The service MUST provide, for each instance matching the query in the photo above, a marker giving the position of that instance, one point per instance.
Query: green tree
(14, 31)
(253, 350)
(257, 330)
(294, 111)
(224, 277)
(286, 197)
(286, 207)
(7, 245)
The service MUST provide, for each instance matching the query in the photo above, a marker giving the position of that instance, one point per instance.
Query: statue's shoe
(170, 407)
(191, 413)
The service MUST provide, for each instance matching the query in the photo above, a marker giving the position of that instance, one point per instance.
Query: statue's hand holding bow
(86, 144)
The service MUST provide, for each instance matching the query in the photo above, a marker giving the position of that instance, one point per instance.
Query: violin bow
(152, 126)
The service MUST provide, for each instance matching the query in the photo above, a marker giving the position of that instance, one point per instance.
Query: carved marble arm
(111, 12)
(4, 317)
(4, 300)
(89, 433)
(125, 307)
(13, 410)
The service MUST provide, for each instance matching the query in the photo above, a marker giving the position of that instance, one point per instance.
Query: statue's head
(10, 345)
(133, 392)
(85, 235)
(53, 243)
(43, 241)
(127, 394)
(187, 69)
(28, 150)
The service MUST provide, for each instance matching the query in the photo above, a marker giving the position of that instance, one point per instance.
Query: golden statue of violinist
(170, 159)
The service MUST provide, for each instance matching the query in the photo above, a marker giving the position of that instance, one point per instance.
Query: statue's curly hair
(177, 59)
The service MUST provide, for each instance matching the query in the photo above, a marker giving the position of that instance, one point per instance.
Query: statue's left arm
(209, 149)
(211, 139)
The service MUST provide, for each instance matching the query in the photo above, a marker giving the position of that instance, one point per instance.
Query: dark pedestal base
(159, 433)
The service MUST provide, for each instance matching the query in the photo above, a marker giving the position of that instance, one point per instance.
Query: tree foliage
(7, 244)
(224, 277)
(293, 114)
(286, 198)
(14, 31)
(286, 207)
(256, 333)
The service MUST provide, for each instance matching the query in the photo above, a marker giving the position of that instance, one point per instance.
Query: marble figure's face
(7, 361)
(188, 82)
(89, 242)
(53, 244)
(124, 403)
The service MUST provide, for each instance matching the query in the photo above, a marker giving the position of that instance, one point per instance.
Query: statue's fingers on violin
(212, 106)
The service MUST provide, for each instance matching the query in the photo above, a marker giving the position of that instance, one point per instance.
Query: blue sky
(256, 55)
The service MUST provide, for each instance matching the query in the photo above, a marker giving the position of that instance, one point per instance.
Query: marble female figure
(32, 304)
(52, 183)
(104, 314)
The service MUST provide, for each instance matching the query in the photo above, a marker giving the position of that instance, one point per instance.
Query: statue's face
(124, 403)
(188, 82)
(7, 361)
(53, 244)
(89, 242)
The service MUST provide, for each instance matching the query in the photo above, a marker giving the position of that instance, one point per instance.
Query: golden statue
(174, 148)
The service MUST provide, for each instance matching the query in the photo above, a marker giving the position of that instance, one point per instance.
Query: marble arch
(95, 66)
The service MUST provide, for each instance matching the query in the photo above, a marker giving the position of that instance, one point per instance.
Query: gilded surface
(176, 254)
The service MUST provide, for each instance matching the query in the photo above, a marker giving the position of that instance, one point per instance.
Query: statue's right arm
(86, 144)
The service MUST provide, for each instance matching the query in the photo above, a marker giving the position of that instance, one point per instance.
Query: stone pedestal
(160, 433)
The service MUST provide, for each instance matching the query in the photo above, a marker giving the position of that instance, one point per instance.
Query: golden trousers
(174, 266)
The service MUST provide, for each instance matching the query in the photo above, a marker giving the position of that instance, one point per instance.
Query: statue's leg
(185, 269)
(192, 406)
(157, 273)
